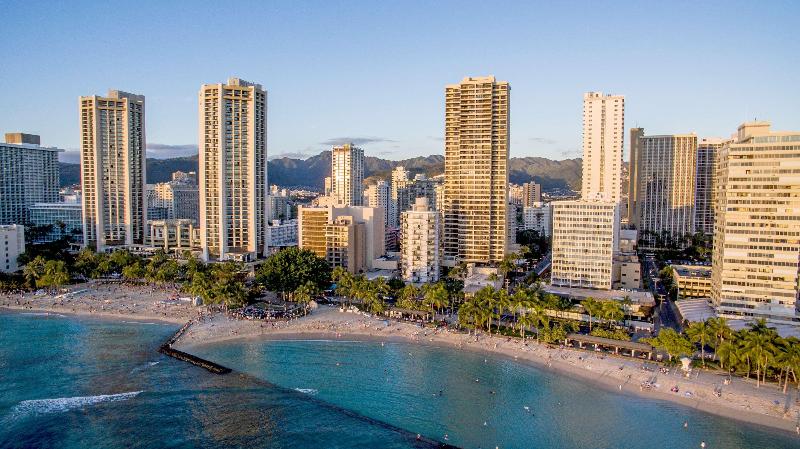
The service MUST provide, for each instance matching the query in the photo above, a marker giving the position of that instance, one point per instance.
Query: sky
(374, 72)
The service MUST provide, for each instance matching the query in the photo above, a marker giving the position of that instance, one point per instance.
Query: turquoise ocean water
(80, 383)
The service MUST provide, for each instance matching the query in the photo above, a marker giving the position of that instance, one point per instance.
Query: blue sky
(375, 71)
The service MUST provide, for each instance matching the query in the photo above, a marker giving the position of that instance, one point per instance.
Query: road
(664, 315)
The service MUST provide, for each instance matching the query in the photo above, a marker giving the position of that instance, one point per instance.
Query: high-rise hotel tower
(233, 170)
(603, 135)
(476, 170)
(113, 169)
(347, 175)
(757, 226)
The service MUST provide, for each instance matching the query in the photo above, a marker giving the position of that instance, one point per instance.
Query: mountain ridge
(311, 172)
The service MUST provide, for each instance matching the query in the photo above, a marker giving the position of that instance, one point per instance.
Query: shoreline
(744, 403)
(109, 316)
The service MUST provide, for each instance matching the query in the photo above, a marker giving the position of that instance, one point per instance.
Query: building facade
(757, 226)
(28, 175)
(12, 244)
(538, 217)
(65, 220)
(113, 169)
(666, 175)
(315, 232)
(233, 170)
(347, 174)
(282, 234)
(633, 176)
(172, 235)
(399, 196)
(377, 195)
(174, 200)
(476, 171)
(531, 194)
(585, 238)
(603, 138)
(420, 250)
(704, 184)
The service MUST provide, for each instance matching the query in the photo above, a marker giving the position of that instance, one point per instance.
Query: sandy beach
(739, 400)
(108, 300)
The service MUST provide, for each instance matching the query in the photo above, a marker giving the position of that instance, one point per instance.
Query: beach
(739, 400)
(109, 300)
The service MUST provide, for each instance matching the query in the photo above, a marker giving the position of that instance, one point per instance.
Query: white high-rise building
(12, 244)
(233, 170)
(113, 169)
(477, 141)
(399, 197)
(539, 218)
(347, 174)
(757, 226)
(420, 250)
(377, 195)
(585, 238)
(603, 138)
(28, 175)
(665, 192)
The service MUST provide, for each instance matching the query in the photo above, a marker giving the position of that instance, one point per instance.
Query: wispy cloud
(355, 140)
(543, 140)
(164, 150)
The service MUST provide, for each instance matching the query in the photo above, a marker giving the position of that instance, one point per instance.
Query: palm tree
(728, 354)
(484, 300)
(525, 320)
(408, 297)
(702, 333)
(592, 308)
(520, 300)
(436, 297)
(761, 348)
(611, 311)
(468, 315)
(721, 331)
(305, 293)
(789, 359)
(34, 270)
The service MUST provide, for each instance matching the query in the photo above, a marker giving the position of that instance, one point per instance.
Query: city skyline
(548, 79)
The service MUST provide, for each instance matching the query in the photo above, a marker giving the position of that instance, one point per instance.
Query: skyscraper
(377, 195)
(399, 198)
(757, 228)
(28, 175)
(347, 174)
(633, 176)
(531, 194)
(233, 170)
(603, 136)
(665, 186)
(705, 184)
(113, 169)
(476, 170)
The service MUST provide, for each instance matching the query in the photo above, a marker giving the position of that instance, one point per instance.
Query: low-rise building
(172, 235)
(693, 281)
(281, 234)
(627, 272)
(12, 244)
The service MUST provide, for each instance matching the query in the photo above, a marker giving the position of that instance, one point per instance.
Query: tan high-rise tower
(603, 136)
(233, 170)
(476, 170)
(113, 169)
(347, 175)
(757, 226)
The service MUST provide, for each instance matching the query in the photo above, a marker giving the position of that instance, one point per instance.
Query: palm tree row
(755, 350)
(369, 293)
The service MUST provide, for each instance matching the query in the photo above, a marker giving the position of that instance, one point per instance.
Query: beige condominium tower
(757, 226)
(347, 175)
(233, 170)
(476, 170)
(113, 169)
(665, 179)
(603, 135)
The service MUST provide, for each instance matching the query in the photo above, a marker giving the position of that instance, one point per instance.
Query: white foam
(154, 363)
(57, 405)
(310, 391)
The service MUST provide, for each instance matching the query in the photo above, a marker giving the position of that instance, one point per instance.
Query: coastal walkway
(168, 350)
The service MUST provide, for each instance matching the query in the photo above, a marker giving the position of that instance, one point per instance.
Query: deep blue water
(80, 383)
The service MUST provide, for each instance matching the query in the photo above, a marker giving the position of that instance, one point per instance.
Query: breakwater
(168, 350)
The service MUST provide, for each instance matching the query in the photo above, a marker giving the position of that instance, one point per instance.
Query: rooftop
(700, 271)
(639, 297)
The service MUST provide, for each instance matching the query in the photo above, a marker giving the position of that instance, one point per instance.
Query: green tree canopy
(288, 269)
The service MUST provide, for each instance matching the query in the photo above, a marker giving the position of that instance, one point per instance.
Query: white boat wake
(44, 406)
(310, 391)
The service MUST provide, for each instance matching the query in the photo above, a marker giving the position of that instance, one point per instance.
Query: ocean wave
(58, 405)
(42, 314)
(154, 363)
(310, 391)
